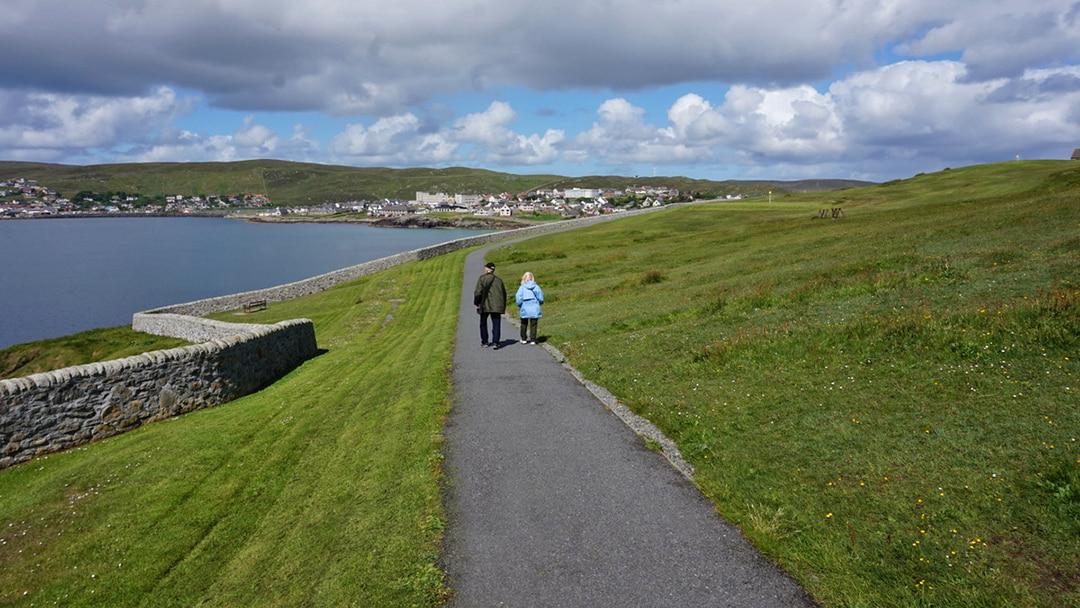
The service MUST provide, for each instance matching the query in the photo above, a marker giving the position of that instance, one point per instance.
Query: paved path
(553, 501)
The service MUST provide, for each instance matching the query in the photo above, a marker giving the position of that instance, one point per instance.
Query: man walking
(489, 297)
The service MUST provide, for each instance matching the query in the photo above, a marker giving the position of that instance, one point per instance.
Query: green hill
(293, 184)
(884, 402)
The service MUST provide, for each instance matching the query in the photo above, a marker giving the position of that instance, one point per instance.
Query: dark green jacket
(490, 294)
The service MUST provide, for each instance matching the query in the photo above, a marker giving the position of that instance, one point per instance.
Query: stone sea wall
(325, 281)
(61, 409)
(65, 408)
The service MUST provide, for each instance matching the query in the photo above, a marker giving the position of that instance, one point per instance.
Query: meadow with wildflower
(886, 403)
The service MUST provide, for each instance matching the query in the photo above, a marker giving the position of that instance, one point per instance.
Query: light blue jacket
(529, 298)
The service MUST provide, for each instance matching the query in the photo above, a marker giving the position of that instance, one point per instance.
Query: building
(431, 200)
(574, 193)
(467, 200)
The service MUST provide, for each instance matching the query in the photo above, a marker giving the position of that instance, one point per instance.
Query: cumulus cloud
(250, 140)
(492, 136)
(487, 136)
(783, 84)
(921, 113)
(43, 126)
(395, 140)
(355, 58)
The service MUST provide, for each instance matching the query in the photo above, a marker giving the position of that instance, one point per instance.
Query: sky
(708, 89)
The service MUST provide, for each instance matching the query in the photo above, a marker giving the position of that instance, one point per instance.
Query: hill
(294, 184)
(883, 402)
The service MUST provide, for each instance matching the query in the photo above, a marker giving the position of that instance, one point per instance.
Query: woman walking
(529, 298)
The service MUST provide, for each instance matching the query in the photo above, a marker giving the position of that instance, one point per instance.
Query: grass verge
(78, 349)
(321, 490)
(885, 403)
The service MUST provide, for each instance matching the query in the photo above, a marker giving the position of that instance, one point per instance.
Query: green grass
(885, 403)
(321, 490)
(78, 349)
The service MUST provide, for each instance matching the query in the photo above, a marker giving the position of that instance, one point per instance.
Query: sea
(63, 276)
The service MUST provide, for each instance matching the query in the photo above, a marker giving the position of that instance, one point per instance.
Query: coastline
(410, 221)
(414, 221)
(90, 215)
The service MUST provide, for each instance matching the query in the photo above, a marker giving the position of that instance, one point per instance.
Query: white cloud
(47, 120)
(490, 132)
(784, 84)
(922, 114)
(376, 59)
(249, 141)
(404, 141)
(396, 140)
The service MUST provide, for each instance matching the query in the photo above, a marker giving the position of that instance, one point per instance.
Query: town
(546, 204)
(24, 198)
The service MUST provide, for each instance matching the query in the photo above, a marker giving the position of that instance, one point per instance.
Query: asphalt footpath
(554, 501)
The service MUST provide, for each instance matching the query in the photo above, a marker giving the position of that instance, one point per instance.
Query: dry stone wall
(57, 410)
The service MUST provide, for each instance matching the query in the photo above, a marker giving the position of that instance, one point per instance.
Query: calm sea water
(63, 276)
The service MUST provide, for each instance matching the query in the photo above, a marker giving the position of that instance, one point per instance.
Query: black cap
(490, 266)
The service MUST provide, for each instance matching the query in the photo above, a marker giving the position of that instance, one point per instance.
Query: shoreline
(81, 216)
(414, 221)
(411, 221)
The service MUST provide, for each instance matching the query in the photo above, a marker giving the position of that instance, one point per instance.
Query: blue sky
(713, 89)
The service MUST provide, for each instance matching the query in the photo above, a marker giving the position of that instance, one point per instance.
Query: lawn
(885, 402)
(321, 490)
(78, 349)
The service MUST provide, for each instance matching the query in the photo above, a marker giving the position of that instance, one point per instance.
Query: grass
(885, 403)
(321, 490)
(78, 349)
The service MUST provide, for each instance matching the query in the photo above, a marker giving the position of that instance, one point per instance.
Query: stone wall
(57, 410)
(325, 281)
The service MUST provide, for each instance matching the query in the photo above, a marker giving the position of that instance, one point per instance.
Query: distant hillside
(291, 183)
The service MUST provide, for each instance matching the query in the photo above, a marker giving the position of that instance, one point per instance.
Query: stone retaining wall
(325, 281)
(57, 410)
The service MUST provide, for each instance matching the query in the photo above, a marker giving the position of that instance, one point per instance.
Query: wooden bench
(255, 306)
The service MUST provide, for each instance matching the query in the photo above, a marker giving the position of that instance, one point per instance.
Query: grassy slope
(84, 347)
(886, 403)
(319, 491)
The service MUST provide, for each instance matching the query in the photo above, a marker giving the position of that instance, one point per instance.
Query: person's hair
(525, 278)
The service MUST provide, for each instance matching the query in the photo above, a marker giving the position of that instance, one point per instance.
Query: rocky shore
(409, 221)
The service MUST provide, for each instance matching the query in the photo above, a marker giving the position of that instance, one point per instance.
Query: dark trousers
(496, 327)
(528, 329)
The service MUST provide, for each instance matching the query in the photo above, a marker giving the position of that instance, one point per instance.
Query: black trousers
(528, 329)
(496, 327)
